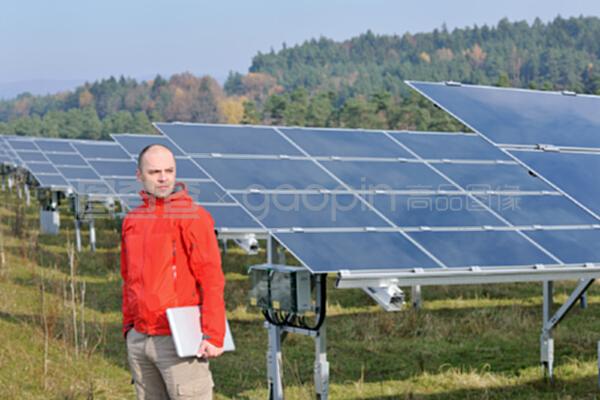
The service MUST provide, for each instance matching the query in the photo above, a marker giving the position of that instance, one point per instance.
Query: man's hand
(208, 350)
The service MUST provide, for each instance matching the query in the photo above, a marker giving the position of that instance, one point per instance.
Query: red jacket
(170, 258)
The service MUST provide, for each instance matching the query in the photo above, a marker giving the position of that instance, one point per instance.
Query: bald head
(156, 170)
(151, 148)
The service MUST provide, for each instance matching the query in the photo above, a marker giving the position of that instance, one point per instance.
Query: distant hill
(9, 90)
(562, 54)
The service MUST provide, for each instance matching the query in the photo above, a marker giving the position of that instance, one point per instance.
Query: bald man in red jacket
(169, 258)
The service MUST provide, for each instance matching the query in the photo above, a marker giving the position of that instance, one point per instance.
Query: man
(169, 258)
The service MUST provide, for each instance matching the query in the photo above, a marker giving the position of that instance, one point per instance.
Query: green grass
(473, 342)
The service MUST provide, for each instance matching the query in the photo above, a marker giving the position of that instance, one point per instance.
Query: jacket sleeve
(205, 265)
(127, 318)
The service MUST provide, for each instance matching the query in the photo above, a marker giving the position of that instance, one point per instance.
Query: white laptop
(187, 334)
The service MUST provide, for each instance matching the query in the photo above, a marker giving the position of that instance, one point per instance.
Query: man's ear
(138, 175)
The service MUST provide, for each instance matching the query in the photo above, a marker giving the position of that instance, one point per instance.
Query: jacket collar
(179, 193)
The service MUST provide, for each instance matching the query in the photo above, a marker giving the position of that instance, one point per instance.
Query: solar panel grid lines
(477, 200)
(239, 190)
(343, 184)
(81, 178)
(243, 212)
(484, 136)
(29, 156)
(200, 187)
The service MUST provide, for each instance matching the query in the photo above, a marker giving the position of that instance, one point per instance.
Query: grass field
(61, 339)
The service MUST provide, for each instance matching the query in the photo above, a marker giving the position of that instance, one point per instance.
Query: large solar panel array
(376, 200)
(364, 200)
(102, 169)
(555, 135)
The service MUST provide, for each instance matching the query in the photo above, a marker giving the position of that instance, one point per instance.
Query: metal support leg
(224, 246)
(546, 340)
(92, 236)
(550, 321)
(321, 369)
(77, 235)
(27, 195)
(10, 183)
(280, 255)
(274, 374)
(583, 303)
(415, 297)
(19, 192)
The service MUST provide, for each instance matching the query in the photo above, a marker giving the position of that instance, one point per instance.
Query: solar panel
(572, 246)
(387, 175)
(245, 173)
(482, 248)
(538, 210)
(395, 197)
(28, 156)
(227, 139)
(187, 169)
(206, 192)
(421, 210)
(133, 144)
(231, 216)
(78, 173)
(72, 160)
(52, 180)
(54, 145)
(332, 251)
(106, 168)
(98, 150)
(500, 177)
(124, 186)
(519, 116)
(41, 168)
(21, 144)
(454, 146)
(574, 173)
(345, 143)
(284, 210)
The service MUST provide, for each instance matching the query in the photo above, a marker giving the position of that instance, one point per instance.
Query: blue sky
(78, 40)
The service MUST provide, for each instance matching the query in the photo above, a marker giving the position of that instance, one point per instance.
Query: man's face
(157, 172)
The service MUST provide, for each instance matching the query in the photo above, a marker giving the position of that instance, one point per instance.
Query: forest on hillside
(357, 83)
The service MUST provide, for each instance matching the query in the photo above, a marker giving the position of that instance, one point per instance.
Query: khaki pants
(158, 373)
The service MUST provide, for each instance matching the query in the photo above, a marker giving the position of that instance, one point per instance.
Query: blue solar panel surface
(454, 208)
(520, 116)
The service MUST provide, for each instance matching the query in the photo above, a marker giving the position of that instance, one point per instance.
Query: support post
(583, 303)
(546, 340)
(547, 343)
(321, 370)
(416, 298)
(274, 363)
(27, 194)
(92, 235)
(77, 234)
